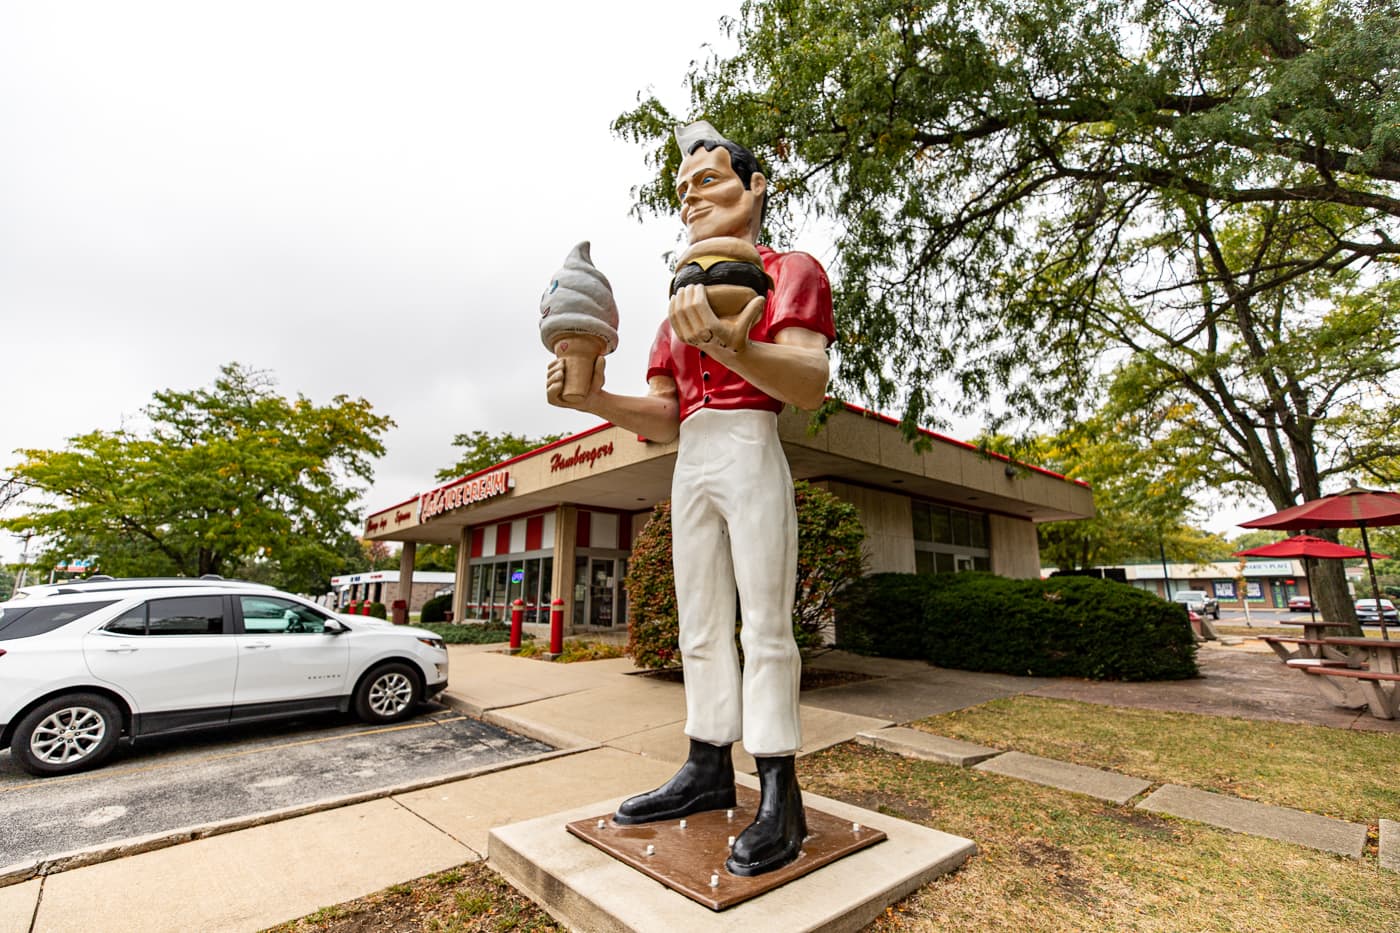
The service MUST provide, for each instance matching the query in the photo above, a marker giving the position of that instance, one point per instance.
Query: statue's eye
(553, 286)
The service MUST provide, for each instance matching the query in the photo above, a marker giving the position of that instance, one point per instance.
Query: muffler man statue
(746, 333)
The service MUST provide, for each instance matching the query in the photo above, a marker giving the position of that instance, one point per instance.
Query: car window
(185, 615)
(131, 622)
(268, 615)
(36, 620)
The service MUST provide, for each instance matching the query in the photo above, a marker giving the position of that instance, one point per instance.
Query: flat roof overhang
(854, 447)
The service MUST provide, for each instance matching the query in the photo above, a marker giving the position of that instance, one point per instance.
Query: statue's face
(714, 202)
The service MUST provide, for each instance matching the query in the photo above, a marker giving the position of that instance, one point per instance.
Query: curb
(80, 858)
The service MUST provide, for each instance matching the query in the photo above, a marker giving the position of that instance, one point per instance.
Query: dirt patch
(469, 899)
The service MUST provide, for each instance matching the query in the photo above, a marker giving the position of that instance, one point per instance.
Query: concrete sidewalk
(619, 733)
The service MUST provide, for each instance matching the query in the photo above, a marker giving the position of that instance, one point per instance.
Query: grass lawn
(1053, 861)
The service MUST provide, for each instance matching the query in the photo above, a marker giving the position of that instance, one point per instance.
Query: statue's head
(721, 190)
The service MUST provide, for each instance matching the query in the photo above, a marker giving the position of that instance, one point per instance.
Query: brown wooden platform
(687, 859)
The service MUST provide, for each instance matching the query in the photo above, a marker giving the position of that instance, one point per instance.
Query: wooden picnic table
(1373, 668)
(1312, 644)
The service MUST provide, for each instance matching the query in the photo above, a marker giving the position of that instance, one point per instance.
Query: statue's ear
(758, 184)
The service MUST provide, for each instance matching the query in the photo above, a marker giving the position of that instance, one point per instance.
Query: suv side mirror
(334, 627)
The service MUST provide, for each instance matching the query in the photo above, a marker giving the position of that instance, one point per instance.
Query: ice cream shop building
(559, 521)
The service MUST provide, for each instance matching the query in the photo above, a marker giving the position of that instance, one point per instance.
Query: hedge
(378, 611)
(1063, 627)
(435, 609)
(471, 633)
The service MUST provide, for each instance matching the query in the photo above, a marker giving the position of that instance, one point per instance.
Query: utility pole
(23, 560)
(1166, 578)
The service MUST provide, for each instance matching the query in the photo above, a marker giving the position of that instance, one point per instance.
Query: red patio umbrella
(1353, 507)
(1308, 547)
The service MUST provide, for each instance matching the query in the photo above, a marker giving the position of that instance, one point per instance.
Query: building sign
(1269, 568)
(380, 522)
(560, 462)
(447, 498)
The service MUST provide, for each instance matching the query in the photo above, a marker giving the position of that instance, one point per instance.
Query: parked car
(1366, 612)
(84, 663)
(1198, 601)
(1300, 604)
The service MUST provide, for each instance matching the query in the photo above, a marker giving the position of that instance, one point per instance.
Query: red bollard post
(556, 627)
(517, 618)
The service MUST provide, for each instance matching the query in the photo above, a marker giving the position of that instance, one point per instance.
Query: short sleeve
(801, 295)
(660, 362)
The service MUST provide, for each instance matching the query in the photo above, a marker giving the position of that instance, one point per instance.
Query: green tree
(829, 538)
(482, 450)
(219, 479)
(1198, 197)
(442, 557)
(1143, 507)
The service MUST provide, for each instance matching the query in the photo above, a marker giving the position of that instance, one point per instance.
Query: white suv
(83, 663)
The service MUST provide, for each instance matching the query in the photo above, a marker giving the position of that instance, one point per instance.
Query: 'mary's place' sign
(463, 492)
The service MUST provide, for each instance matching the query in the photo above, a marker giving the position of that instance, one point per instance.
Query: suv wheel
(388, 694)
(67, 734)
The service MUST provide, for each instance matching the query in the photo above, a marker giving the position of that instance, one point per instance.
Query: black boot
(775, 836)
(704, 782)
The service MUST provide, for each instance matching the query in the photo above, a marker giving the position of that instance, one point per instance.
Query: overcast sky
(362, 198)
(366, 198)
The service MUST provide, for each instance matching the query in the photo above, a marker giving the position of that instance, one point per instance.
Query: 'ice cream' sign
(447, 498)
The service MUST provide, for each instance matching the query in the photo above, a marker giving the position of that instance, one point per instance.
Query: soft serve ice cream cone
(578, 320)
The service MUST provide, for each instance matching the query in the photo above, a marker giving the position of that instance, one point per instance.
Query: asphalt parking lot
(169, 784)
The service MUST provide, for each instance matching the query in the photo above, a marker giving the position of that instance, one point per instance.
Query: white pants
(733, 524)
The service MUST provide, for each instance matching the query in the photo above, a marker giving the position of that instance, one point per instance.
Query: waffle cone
(579, 353)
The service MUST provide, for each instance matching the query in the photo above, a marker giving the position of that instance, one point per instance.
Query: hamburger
(730, 269)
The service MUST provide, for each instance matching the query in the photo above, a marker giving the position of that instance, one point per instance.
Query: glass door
(602, 587)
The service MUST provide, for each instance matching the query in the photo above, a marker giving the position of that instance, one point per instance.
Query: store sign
(1269, 568)
(592, 455)
(447, 498)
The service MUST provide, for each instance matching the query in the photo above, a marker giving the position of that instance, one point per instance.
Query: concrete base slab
(1106, 785)
(251, 879)
(586, 889)
(1258, 819)
(1390, 845)
(17, 903)
(913, 743)
(469, 810)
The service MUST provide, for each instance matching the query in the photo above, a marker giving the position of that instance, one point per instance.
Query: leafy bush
(471, 633)
(829, 536)
(1064, 627)
(378, 610)
(435, 609)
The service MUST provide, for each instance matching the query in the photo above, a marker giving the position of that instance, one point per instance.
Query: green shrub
(378, 610)
(829, 537)
(435, 609)
(471, 633)
(1064, 627)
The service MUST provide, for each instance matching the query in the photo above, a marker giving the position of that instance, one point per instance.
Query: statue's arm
(655, 416)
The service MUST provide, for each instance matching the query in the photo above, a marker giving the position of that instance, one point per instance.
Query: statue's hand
(695, 322)
(554, 385)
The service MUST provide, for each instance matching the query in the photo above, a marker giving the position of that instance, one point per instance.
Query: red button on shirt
(800, 297)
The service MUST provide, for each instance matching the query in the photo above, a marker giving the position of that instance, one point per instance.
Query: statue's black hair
(741, 160)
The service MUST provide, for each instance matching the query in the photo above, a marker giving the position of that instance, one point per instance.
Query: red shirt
(800, 297)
